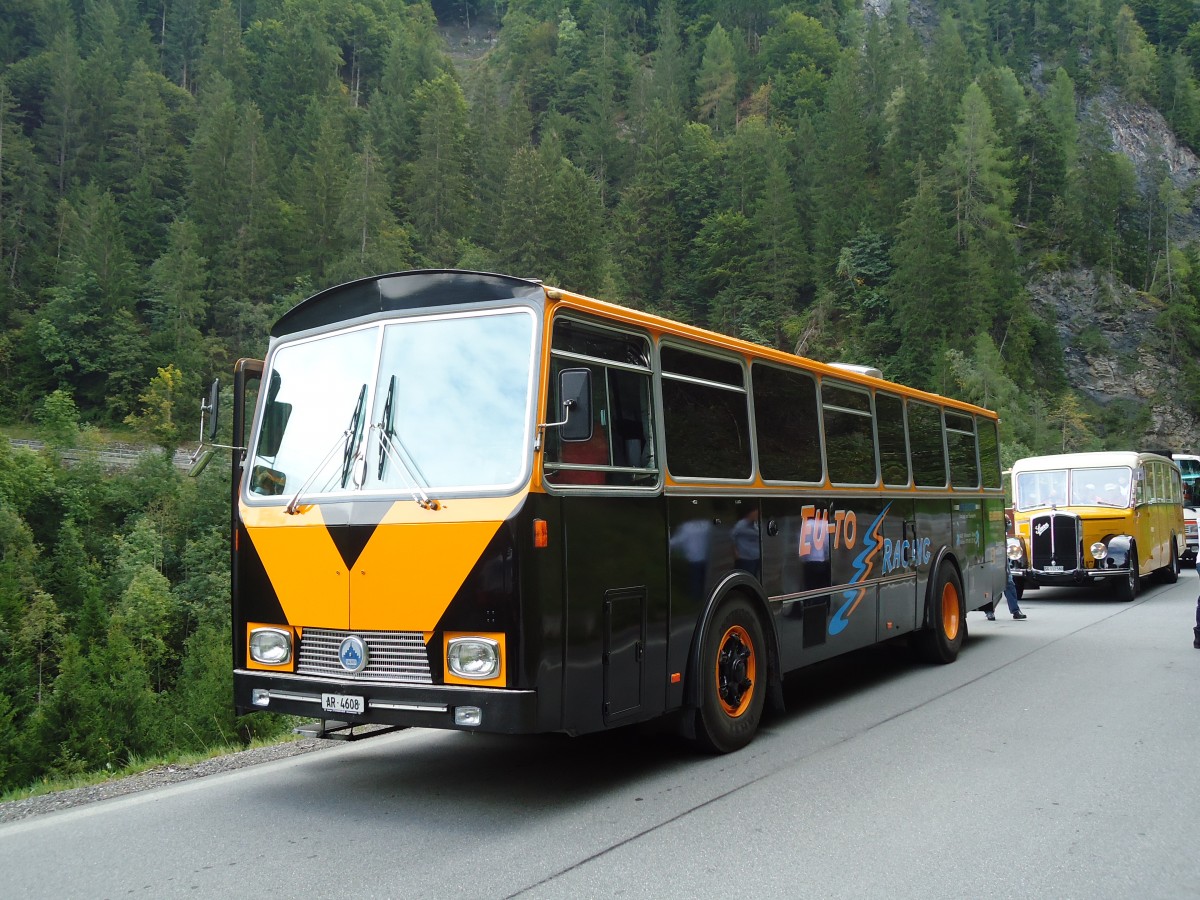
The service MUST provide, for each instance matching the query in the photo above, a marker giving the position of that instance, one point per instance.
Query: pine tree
(780, 258)
(23, 200)
(798, 56)
(61, 133)
(223, 52)
(975, 170)
(440, 191)
(374, 241)
(647, 236)
(1136, 61)
(842, 204)
(923, 289)
(670, 81)
(149, 161)
(716, 82)
(319, 176)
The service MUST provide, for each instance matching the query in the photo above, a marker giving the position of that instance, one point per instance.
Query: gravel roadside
(160, 776)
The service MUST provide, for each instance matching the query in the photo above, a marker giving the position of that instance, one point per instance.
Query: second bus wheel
(946, 626)
(733, 673)
(1128, 586)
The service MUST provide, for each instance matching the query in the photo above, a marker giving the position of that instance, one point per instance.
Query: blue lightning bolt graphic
(863, 563)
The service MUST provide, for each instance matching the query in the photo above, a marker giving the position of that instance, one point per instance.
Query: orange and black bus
(472, 501)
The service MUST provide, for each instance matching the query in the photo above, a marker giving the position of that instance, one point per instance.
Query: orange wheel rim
(736, 671)
(950, 614)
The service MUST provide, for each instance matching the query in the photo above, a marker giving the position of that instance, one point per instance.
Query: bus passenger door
(969, 524)
(615, 604)
(605, 473)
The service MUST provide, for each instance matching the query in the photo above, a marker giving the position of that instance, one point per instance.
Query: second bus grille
(391, 655)
(1067, 541)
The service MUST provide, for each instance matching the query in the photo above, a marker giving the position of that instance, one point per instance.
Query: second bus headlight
(473, 657)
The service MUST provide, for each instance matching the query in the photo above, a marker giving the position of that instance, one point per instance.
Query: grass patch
(136, 767)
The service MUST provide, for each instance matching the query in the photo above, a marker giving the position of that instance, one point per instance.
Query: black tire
(1170, 574)
(1127, 587)
(733, 677)
(945, 628)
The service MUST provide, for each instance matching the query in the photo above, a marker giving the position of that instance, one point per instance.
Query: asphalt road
(1056, 758)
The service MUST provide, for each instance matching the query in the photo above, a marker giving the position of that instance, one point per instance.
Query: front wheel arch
(1127, 586)
(733, 675)
(748, 588)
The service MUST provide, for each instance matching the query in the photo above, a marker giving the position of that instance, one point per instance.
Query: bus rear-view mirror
(575, 391)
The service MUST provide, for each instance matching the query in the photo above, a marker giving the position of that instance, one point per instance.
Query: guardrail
(112, 456)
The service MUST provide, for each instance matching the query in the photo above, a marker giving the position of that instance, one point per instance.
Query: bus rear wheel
(733, 672)
(1170, 574)
(943, 636)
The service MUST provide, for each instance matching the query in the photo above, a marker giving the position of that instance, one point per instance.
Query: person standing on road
(1014, 607)
(1196, 630)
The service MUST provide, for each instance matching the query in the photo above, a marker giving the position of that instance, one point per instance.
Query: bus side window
(622, 434)
(926, 444)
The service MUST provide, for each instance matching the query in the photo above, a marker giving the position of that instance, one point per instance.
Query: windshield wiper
(353, 435)
(348, 440)
(391, 447)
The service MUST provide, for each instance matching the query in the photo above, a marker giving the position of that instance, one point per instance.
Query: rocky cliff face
(1104, 327)
(1142, 134)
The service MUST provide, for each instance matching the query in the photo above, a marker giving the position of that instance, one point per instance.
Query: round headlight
(1013, 549)
(271, 646)
(473, 657)
(1099, 550)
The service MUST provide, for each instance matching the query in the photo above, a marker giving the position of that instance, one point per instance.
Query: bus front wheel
(1127, 587)
(733, 671)
(941, 639)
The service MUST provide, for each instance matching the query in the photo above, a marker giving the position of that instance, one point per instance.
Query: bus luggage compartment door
(624, 651)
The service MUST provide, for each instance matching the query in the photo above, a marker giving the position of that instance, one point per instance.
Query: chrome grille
(391, 655)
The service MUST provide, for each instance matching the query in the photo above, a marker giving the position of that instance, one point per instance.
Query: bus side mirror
(212, 407)
(575, 391)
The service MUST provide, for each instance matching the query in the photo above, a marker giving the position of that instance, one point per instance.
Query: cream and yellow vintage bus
(1096, 519)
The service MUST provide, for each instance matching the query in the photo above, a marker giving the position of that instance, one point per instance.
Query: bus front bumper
(462, 708)
(1035, 578)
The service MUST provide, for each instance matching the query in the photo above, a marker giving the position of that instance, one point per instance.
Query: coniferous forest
(874, 183)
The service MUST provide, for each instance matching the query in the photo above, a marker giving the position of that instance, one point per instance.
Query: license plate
(343, 704)
(1054, 570)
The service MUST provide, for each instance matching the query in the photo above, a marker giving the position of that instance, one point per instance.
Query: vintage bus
(473, 501)
(1103, 519)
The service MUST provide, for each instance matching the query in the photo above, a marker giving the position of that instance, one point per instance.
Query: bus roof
(662, 325)
(417, 289)
(1093, 460)
(424, 288)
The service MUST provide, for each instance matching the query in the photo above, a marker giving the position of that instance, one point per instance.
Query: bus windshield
(1107, 486)
(1101, 487)
(418, 408)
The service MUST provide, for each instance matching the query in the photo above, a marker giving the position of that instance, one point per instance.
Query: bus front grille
(391, 655)
(1057, 540)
